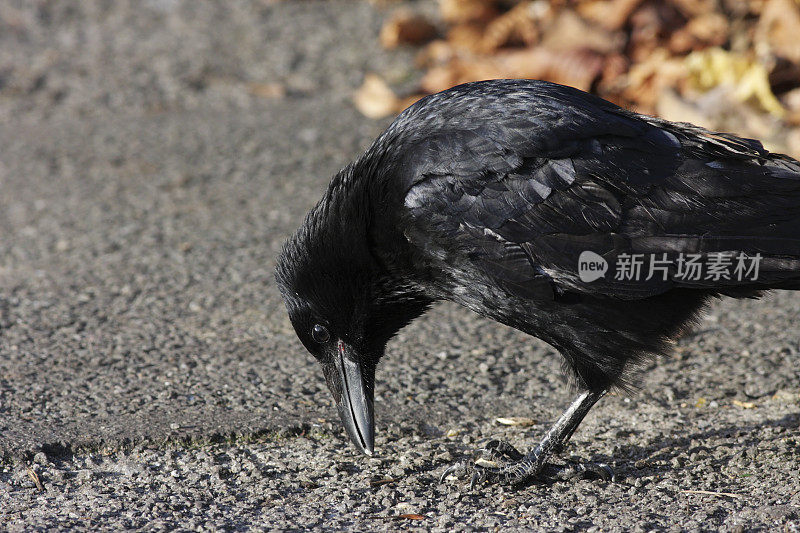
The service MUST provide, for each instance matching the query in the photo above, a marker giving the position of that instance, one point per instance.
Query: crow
(596, 229)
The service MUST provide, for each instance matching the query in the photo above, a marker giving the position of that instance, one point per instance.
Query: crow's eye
(320, 333)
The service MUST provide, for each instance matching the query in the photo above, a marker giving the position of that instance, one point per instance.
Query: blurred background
(728, 65)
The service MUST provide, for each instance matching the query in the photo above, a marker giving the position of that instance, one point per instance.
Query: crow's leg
(521, 468)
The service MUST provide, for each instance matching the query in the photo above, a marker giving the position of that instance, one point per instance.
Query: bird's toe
(502, 450)
(593, 471)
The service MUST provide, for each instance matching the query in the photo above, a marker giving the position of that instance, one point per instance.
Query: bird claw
(516, 468)
(510, 471)
(479, 472)
(461, 466)
(478, 476)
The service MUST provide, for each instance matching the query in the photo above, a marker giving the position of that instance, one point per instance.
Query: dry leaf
(466, 37)
(671, 106)
(715, 66)
(578, 68)
(436, 53)
(405, 27)
(375, 99)
(784, 76)
(610, 15)
(793, 143)
(694, 8)
(710, 29)
(612, 77)
(778, 30)
(647, 80)
(517, 26)
(384, 481)
(664, 57)
(515, 421)
(650, 25)
(570, 32)
(411, 516)
(455, 11)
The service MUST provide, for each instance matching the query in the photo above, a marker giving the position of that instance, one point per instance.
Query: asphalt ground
(154, 157)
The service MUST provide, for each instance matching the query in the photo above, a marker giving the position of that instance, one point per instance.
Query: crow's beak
(356, 402)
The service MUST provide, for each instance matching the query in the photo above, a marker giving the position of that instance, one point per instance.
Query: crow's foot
(505, 465)
(508, 466)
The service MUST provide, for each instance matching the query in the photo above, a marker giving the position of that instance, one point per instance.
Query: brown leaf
(436, 53)
(375, 99)
(784, 76)
(570, 32)
(455, 11)
(405, 27)
(518, 26)
(651, 26)
(778, 29)
(791, 100)
(578, 68)
(612, 78)
(671, 106)
(710, 29)
(384, 481)
(647, 80)
(610, 15)
(466, 36)
(411, 516)
(754, 7)
(693, 8)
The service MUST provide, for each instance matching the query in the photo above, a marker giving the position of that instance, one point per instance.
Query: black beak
(356, 402)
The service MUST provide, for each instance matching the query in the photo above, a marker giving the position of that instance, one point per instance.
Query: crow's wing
(521, 196)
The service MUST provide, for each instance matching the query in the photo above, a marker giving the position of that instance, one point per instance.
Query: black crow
(599, 230)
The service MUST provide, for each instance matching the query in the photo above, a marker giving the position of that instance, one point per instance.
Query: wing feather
(519, 198)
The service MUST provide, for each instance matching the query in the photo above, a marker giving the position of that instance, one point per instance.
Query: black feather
(486, 194)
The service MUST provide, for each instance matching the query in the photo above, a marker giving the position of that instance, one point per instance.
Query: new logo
(591, 266)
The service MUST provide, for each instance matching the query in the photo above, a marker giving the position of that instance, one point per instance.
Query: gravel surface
(155, 156)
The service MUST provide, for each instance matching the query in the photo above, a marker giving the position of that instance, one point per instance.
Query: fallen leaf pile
(728, 65)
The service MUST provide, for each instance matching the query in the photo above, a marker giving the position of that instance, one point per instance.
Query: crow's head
(343, 305)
